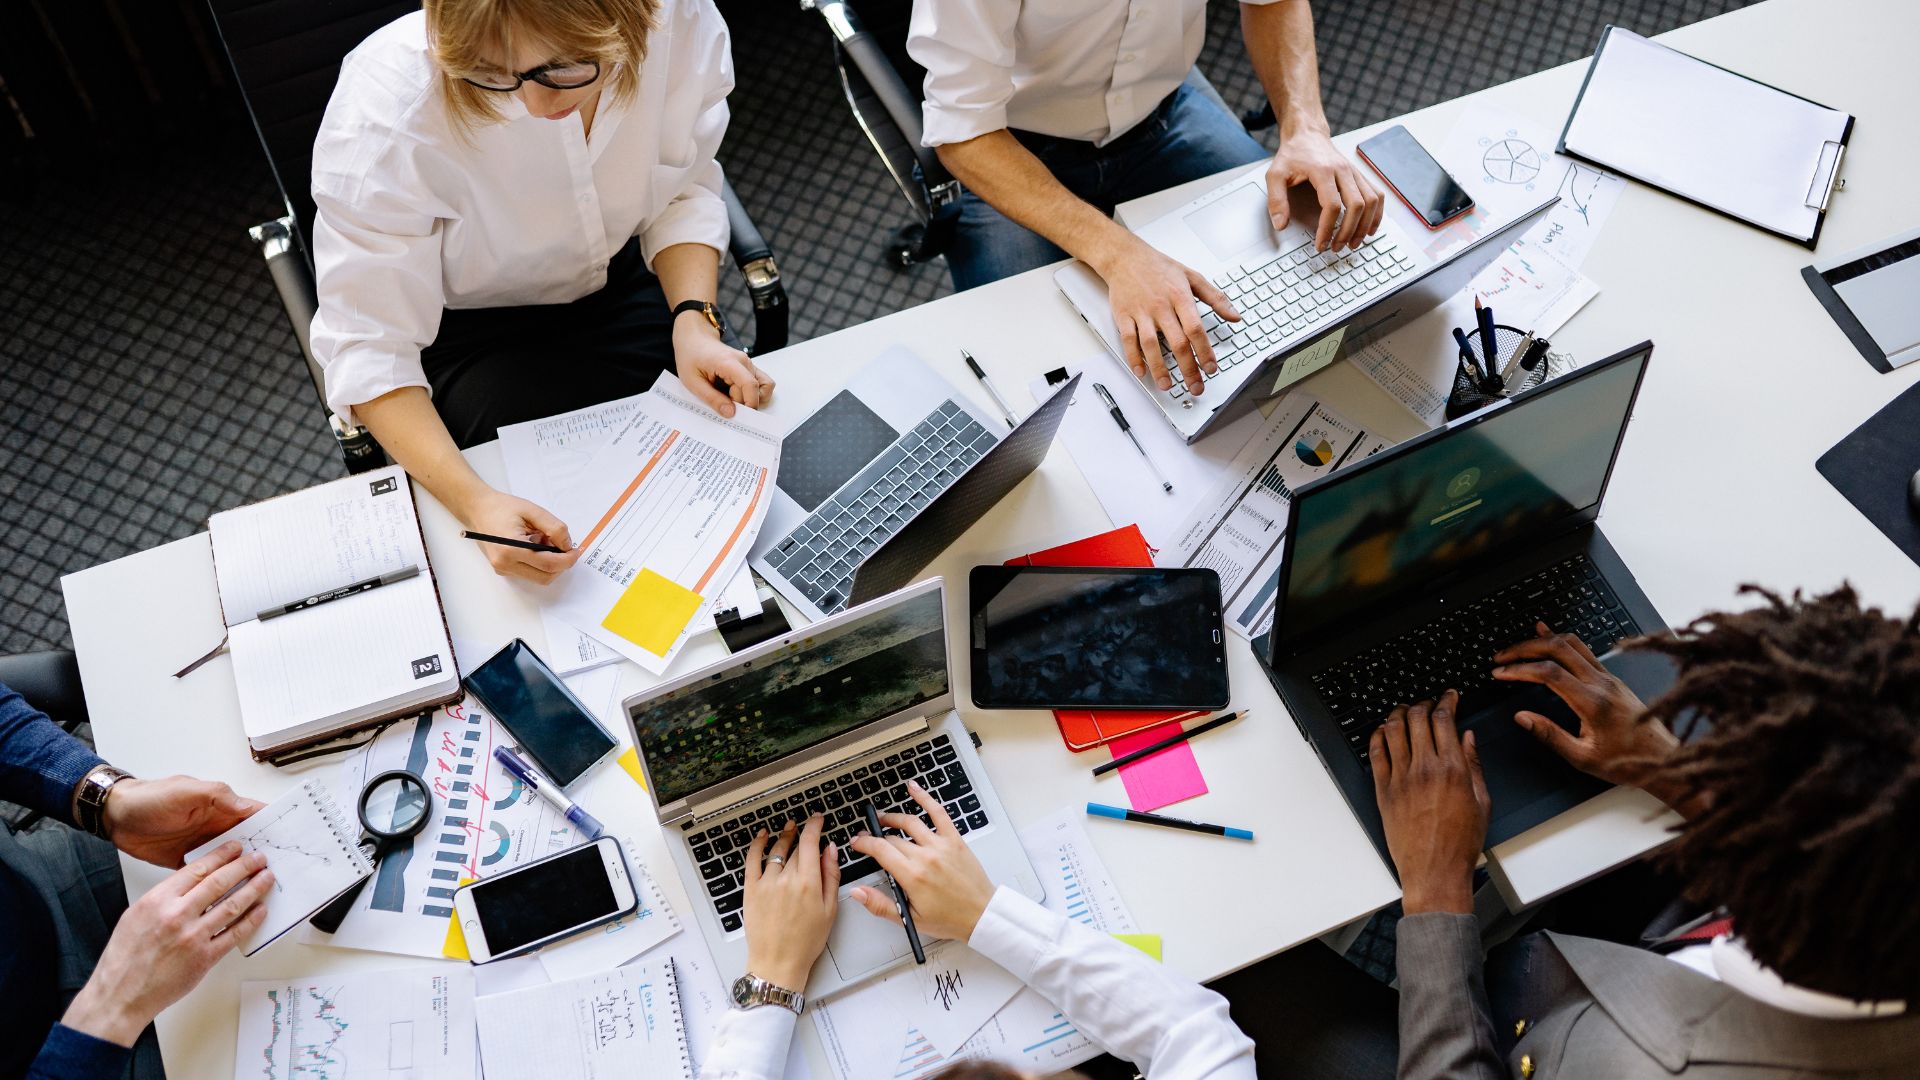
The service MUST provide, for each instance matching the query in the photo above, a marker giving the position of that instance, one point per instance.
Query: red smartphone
(1418, 180)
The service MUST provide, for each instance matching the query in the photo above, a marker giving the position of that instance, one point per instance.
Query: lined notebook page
(614, 1025)
(352, 659)
(1713, 136)
(312, 846)
(275, 552)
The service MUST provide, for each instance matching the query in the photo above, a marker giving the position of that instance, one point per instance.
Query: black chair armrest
(293, 280)
(50, 681)
(754, 257)
(901, 101)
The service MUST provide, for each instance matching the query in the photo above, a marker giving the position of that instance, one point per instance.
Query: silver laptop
(823, 720)
(885, 476)
(1290, 298)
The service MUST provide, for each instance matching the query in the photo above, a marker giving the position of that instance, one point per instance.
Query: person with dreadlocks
(1801, 803)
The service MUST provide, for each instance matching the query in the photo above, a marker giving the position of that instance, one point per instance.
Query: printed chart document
(1506, 161)
(614, 1025)
(546, 460)
(312, 845)
(415, 1022)
(665, 511)
(866, 1034)
(1239, 527)
(484, 822)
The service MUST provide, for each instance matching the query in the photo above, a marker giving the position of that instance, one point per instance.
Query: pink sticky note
(1159, 779)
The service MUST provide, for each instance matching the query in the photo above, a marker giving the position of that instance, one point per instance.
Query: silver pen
(1006, 410)
(1113, 409)
(1513, 362)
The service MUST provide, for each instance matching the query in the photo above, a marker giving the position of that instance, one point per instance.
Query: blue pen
(585, 822)
(1123, 814)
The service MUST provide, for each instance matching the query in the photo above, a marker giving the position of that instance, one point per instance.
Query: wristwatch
(90, 798)
(713, 313)
(750, 991)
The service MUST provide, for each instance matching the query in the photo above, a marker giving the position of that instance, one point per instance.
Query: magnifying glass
(394, 806)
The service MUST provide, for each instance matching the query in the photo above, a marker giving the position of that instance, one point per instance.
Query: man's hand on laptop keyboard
(1349, 206)
(942, 877)
(1619, 741)
(792, 895)
(1153, 298)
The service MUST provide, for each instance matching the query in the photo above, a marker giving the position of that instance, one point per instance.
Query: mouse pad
(1872, 466)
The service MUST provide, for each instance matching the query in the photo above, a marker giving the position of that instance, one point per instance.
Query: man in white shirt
(1050, 114)
(1802, 798)
(519, 214)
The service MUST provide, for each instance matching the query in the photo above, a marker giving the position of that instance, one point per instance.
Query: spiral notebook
(612, 1025)
(312, 846)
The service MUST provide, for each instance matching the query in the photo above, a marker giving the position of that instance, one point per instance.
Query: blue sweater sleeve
(72, 1055)
(40, 764)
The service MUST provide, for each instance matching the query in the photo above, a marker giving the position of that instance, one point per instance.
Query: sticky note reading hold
(1146, 943)
(1310, 359)
(652, 612)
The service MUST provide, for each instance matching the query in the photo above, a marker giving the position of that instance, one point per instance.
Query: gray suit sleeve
(1446, 1026)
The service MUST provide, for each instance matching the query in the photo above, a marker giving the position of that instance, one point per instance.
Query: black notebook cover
(1873, 465)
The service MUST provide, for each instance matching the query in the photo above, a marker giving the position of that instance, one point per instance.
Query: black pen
(508, 541)
(1113, 409)
(1006, 410)
(1466, 355)
(337, 594)
(1171, 740)
(899, 894)
(1489, 337)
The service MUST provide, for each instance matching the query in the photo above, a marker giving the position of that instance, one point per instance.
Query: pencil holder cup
(1468, 397)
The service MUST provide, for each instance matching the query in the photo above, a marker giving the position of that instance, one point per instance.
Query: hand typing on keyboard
(1153, 299)
(792, 895)
(1619, 742)
(1345, 205)
(943, 879)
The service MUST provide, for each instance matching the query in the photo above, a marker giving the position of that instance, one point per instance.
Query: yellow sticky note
(1310, 359)
(455, 947)
(630, 761)
(652, 612)
(1146, 943)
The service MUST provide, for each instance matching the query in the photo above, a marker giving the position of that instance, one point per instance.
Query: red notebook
(1084, 729)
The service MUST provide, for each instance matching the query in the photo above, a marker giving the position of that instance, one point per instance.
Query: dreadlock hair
(1809, 778)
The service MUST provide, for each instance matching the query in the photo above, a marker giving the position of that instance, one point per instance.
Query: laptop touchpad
(829, 447)
(860, 942)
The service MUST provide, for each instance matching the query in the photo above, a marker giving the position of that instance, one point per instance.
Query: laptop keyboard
(1455, 651)
(720, 850)
(820, 556)
(1281, 298)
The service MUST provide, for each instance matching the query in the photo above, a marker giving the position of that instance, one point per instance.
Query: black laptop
(1404, 574)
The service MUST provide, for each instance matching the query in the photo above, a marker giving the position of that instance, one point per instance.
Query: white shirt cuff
(363, 370)
(955, 124)
(750, 1044)
(1015, 933)
(698, 217)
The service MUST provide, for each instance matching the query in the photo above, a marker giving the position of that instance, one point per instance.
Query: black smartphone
(1415, 177)
(542, 715)
(545, 900)
(1052, 637)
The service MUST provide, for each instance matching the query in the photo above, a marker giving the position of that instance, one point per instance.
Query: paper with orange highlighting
(664, 515)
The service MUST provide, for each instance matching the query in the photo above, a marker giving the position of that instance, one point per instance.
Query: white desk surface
(1750, 382)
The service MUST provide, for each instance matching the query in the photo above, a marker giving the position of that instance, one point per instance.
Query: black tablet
(1052, 637)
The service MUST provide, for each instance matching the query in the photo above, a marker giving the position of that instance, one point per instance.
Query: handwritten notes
(615, 1024)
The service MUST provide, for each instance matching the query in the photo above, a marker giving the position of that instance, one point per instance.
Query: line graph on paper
(307, 1035)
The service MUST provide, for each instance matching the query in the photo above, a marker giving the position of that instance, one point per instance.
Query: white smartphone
(545, 900)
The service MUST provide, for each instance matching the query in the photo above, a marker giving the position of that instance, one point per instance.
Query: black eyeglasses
(559, 75)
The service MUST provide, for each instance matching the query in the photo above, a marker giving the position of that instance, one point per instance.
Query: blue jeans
(1188, 136)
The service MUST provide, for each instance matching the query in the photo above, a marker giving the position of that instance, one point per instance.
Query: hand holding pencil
(539, 548)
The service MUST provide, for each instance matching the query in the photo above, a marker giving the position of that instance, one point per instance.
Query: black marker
(899, 894)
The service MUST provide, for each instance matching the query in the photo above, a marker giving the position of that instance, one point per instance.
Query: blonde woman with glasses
(519, 214)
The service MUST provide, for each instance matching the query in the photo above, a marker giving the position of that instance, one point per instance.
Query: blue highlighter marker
(1122, 814)
(546, 789)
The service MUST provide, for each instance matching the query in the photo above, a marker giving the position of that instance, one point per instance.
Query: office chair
(286, 56)
(50, 681)
(883, 88)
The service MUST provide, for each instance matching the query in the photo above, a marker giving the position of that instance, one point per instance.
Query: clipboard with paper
(1714, 137)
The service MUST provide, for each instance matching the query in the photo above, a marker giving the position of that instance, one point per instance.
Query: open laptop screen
(865, 670)
(1457, 500)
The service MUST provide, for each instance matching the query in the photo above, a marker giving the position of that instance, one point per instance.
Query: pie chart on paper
(1313, 451)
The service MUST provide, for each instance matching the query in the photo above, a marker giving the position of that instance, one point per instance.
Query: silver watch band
(750, 991)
